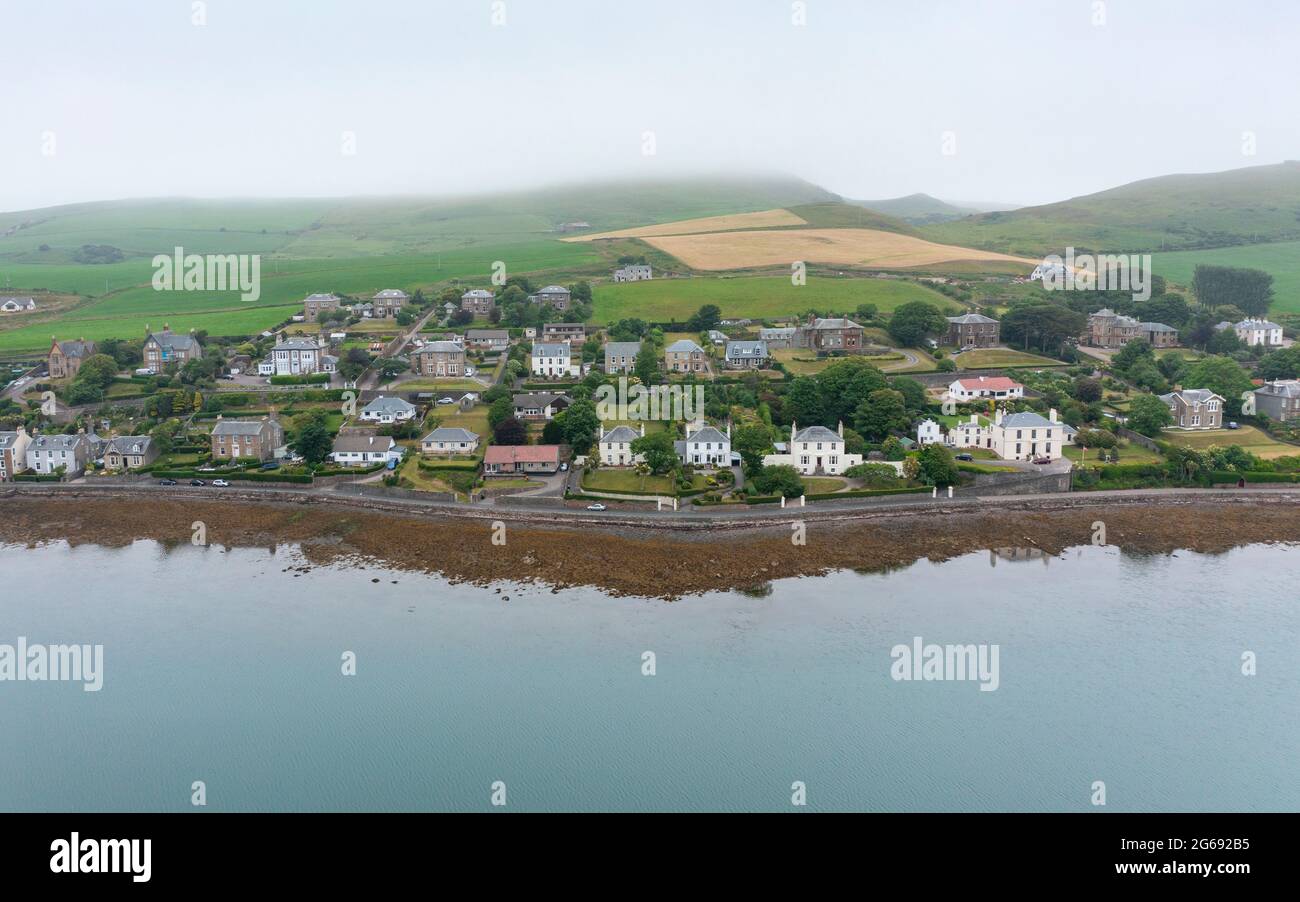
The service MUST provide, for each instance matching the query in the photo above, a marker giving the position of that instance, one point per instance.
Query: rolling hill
(1173, 212)
(918, 209)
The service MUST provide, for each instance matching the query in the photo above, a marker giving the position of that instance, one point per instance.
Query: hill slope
(1173, 212)
(918, 209)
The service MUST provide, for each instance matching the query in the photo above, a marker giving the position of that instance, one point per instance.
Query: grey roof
(1028, 418)
(737, 349)
(8, 440)
(622, 348)
(817, 434)
(131, 444)
(1257, 324)
(684, 346)
(478, 293)
(450, 434)
(971, 319)
(538, 399)
(391, 293)
(554, 289)
(567, 326)
(620, 434)
(708, 434)
(1191, 396)
(174, 340)
(238, 427)
(55, 442)
(550, 349)
(1157, 327)
(391, 405)
(298, 344)
(322, 297)
(487, 333)
(1286, 388)
(777, 332)
(77, 348)
(834, 323)
(442, 347)
(354, 441)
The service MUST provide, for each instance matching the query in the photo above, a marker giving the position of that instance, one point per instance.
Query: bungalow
(509, 460)
(13, 453)
(1259, 332)
(130, 452)
(478, 301)
(705, 446)
(620, 356)
(449, 440)
(540, 406)
(388, 410)
(685, 356)
(746, 355)
(616, 446)
(389, 302)
(17, 305)
(66, 357)
(361, 448)
(487, 339)
(46, 453)
(815, 450)
(555, 361)
(1195, 408)
(257, 439)
(573, 333)
(999, 388)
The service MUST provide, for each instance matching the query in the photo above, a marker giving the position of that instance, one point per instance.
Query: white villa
(555, 360)
(616, 447)
(1255, 332)
(17, 305)
(449, 440)
(298, 356)
(1016, 436)
(359, 449)
(705, 446)
(815, 450)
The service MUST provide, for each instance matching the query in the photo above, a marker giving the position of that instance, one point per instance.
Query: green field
(1281, 260)
(757, 297)
(614, 480)
(992, 358)
(1247, 437)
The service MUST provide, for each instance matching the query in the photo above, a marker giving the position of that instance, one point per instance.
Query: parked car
(197, 482)
(596, 507)
(221, 483)
(1232, 424)
(564, 466)
(965, 456)
(1042, 460)
(469, 371)
(446, 401)
(167, 482)
(271, 465)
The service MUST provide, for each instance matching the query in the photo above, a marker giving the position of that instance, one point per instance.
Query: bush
(313, 379)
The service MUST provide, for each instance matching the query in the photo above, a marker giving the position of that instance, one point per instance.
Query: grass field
(992, 358)
(719, 251)
(816, 485)
(1281, 260)
(1248, 438)
(755, 297)
(611, 480)
(801, 362)
(761, 219)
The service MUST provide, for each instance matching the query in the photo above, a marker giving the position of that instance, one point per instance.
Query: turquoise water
(221, 667)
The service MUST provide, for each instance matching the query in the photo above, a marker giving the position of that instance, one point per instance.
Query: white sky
(1043, 103)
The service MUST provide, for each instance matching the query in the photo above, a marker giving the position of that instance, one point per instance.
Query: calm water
(220, 667)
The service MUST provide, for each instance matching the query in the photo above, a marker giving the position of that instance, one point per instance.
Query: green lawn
(818, 485)
(755, 297)
(994, 358)
(1248, 438)
(618, 480)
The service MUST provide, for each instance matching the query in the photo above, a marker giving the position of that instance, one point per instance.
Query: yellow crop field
(729, 223)
(781, 247)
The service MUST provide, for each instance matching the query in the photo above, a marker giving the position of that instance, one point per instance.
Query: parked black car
(197, 482)
(167, 482)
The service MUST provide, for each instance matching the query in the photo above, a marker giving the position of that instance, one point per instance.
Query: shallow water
(220, 667)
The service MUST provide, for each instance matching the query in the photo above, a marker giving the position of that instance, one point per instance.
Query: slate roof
(131, 444)
(817, 434)
(450, 434)
(620, 434)
(551, 349)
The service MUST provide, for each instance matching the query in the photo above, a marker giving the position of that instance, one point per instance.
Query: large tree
(1218, 286)
(659, 451)
(1221, 375)
(914, 322)
(884, 411)
(1041, 325)
(1147, 414)
(510, 432)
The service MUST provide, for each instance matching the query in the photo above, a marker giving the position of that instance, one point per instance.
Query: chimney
(793, 424)
(840, 429)
(997, 417)
(1051, 414)
(643, 430)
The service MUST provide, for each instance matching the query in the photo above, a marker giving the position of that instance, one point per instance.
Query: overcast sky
(130, 99)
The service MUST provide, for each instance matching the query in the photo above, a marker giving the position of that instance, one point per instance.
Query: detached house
(1195, 408)
(620, 356)
(1279, 400)
(746, 355)
(13, 453)
(685, 356)
(487, 339)
(815, 450)
(66, 357)
(388, 410)
(46, 453)
(999, 388)
(1108, 329)
(830, 335)
(780, 338)
(1026, 436)
(510, 460)
(256, 439)
(616, 446)
(635, 272)
(478, 301)
(554, 360)
(130, 452)
(573, 333)
(540, 406)
(17, 305)
(555, 295)
(440, 359)
(449, 440)
(360, 448)
(317, 304)
(705, 446)
(167, 347)
(388, 302)
(297, 356)
(972, 330)
(1259, 333)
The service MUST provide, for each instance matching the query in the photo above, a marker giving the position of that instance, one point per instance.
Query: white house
(928, 432)
(1026, 436)
(17, 305)
(997, 387)
(361, 449)
(616, 447)
(815, 450)
(634, 272)
(298, 356)
(449, 440)
(705, 446)
(554, 360)
(1253, 332)
(388, 410)
(46, 453)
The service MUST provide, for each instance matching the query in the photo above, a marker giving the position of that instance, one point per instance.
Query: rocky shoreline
(630, 560)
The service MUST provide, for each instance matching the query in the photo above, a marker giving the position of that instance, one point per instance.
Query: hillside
(1174, 212)
(918, 209)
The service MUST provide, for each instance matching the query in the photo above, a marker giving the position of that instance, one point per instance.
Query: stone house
(255, 439)
(1195, 408)
(66, 357)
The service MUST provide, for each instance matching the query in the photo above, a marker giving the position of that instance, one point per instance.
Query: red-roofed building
(999, 388)
(508, 460)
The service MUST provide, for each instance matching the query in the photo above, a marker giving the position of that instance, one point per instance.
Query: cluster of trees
(514, 308)
(1249, 290)
(912, 323)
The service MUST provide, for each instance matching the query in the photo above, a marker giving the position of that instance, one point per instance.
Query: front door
(819, 464)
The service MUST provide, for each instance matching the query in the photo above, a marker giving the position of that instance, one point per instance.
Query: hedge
(1221, 476)
(311, 379)
(246, 475)
(867, 493)
(37, 477)
(464, 466)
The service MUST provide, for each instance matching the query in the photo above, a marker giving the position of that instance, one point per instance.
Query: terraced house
(47, 453)
(13, 453)
(130, 452)
(685, 356)
(620, 356)
(255, 439)
(440, 359)
(167, 347)
(1195, 408)
(66, 357)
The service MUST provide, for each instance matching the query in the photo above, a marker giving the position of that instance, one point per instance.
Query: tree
(659, 451)
(510, 432)
(706, 318)
(843, 386)
(1086, 389)
(581, 425)
(1147, 414)
(751, 443)
(461, 318)
(501, 410)
(355, 362)
(97, 370)
(389, 367)
(915, 321)
(1170, 309)
(1249, 289)
(647, 363)
(1041, 324)
(781, 480)
(1221, 375)
(937, 466)
(313, 442)
(1282, 364)
(881, 413)
(803, 401)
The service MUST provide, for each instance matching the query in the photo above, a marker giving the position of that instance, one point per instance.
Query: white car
(446, 401)
(221, 483)
(469, 371)
(597, 507)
